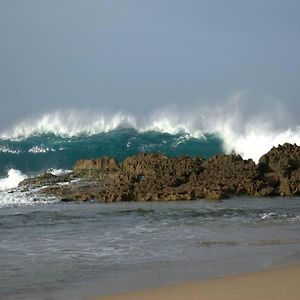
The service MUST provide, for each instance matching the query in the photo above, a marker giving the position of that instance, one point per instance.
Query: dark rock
(66, 200)
(42, 180)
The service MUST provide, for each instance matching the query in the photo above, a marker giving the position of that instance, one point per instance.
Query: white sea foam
(68, 124)
(249, 135)
(5, 149)
(18, 198)
(11, 196)
(58, 172)
(14, 177)
(40, 149)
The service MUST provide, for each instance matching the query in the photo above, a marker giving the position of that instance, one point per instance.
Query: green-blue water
(41, 152)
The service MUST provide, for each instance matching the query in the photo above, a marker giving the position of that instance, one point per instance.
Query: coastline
(278, 283)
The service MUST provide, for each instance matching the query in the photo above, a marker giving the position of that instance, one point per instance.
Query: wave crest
(248, 134)
(70, 124)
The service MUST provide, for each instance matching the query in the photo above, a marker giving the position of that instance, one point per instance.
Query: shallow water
(73, 251)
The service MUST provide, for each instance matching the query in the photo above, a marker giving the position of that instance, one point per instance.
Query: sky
(138, 56)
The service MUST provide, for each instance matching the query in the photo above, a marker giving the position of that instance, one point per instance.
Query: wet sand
(276, 284)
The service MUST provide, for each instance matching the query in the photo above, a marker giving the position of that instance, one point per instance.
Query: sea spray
(68, 124)
(58, 172)
(14, 177)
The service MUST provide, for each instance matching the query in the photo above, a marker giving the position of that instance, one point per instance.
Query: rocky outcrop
(151, 177)
(45, 179)
(155, 177)
(281, 170)
(96, 168)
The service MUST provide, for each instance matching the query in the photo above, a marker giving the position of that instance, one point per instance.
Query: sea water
(45, 151)
(53, 250)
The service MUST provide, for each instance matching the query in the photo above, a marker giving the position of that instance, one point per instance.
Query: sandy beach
(276, 284)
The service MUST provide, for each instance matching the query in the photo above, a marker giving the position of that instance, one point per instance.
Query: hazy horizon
(137, 57)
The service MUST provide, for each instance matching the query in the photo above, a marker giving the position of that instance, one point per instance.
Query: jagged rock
(96, 168)
(282, 165)
(151, 177)
(155, 177)
(230, 173)
(103, 163)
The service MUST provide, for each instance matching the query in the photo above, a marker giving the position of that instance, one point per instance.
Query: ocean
(53, 250)
(49, 151)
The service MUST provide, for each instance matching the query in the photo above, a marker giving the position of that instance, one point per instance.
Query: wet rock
(42, 180)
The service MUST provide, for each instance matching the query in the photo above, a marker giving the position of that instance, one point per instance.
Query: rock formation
(154, 177)
(280, 167)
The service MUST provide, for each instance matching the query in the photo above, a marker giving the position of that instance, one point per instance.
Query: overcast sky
(136, 56)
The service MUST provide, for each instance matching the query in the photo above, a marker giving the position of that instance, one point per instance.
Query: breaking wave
(56, 152)
(56, 140)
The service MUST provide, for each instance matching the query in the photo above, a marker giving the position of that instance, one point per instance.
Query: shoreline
(277, 283)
